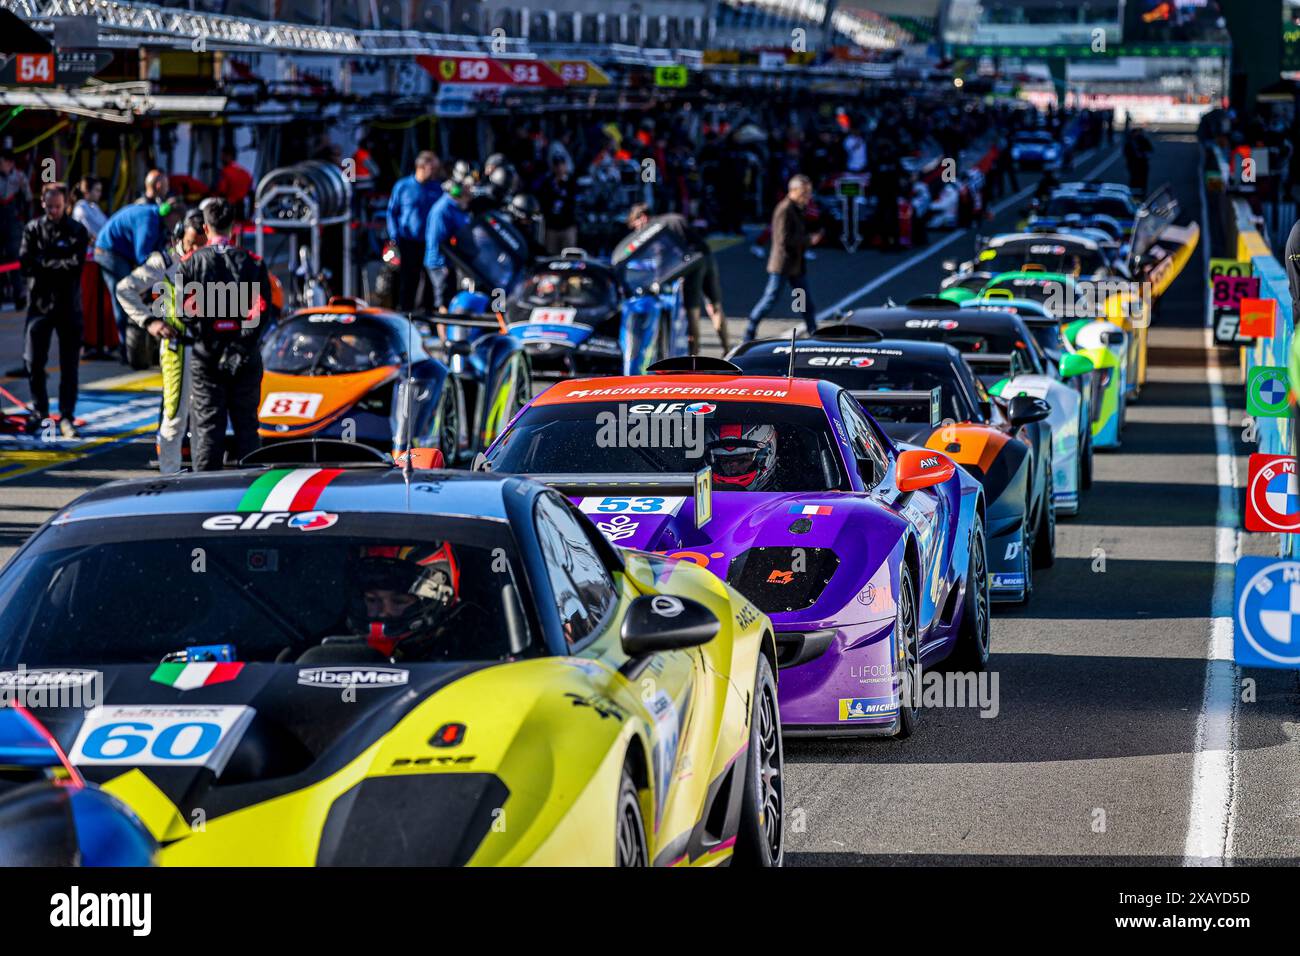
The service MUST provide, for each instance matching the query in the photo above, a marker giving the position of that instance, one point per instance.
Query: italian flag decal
(198, 674)
(288, 489)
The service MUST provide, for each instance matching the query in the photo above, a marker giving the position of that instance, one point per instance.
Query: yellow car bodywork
(556, 731)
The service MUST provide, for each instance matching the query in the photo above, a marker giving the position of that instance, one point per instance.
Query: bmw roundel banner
(1266, 613)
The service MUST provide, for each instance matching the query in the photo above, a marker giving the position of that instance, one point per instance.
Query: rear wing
(697, 486)
(933, 399)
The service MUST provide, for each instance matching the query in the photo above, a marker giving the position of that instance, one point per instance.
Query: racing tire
(1045, 534)
(760, 840)
(974, 635)
(630, 845)
(1027, 544)
(448, 433)
(141, 348)
(907, 655)
(1085, 470)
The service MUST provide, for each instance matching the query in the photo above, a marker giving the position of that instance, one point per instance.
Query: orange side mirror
(922, 469)
(423, 458)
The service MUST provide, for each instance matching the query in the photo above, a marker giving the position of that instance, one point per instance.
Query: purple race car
(868, 556)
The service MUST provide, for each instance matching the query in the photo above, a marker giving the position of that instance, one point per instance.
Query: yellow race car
(345, 665)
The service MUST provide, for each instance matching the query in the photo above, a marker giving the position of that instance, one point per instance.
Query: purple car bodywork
(834, 621)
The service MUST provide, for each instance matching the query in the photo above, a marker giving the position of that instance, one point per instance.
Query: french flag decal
(810, 509)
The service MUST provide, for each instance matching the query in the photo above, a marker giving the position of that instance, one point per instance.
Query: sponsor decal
(862, 361)
(868, 594)
(448, 735)
(843, 361)
(1267, 619)
(1273, 494)
(701, 408)
(946, 324)
(187, 676)
(287, 489)
(261, 521)
(618, 528)
(353, 677)
(160, 736)
(313, 520)
(665, 605)
(1007, 581)
(866, 708)
(780, 577)
(810, 509)
(1267, 392)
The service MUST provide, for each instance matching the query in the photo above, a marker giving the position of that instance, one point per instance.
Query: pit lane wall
(1275, 435)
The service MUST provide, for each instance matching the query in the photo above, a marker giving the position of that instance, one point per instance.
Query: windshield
(873, 369)
(1048, 256)
(329, 344)
(1087, 205)
(576, 289)
(612, 438)
(1047, 292)
(135, 590)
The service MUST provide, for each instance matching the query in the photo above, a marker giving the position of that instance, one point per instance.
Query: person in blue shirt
(408, 214)
(128, 238)
(449, 215)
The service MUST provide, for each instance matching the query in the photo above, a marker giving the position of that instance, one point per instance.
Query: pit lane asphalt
(1089, 759)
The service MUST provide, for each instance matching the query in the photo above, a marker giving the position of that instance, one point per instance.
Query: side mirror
(922, 469)
(1073, 364)
(1025, 409)
(665, 622)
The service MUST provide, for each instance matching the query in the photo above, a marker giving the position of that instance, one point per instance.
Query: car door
(668, 686)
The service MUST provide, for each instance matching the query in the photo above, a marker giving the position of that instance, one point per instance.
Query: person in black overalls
(224, 291)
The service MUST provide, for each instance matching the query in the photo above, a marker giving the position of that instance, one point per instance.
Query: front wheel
(1045, 536)
(972, 651)
(907, 651)
(630, 847)
(761, 840)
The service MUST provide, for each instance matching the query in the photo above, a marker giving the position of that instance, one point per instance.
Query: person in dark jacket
(52, 254)
(786, 261)
(700, 286)
(224, 294)
(408, 214)
(559, 198)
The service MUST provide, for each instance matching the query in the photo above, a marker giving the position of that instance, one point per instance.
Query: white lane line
(928, 251)
(1214, 764)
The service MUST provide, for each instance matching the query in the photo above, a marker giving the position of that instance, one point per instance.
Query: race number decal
(636, 505)
(553, 316)
(290, 405)
(144, 736)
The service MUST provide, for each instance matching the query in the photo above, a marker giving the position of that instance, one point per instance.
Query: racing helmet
(493, 161)
(743, 457)
(404, 593)
(193, 219)
(464, 172)
(525, 211)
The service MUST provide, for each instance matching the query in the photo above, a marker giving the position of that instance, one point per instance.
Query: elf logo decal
(835, 361)
(262, 520)
(946, 324)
